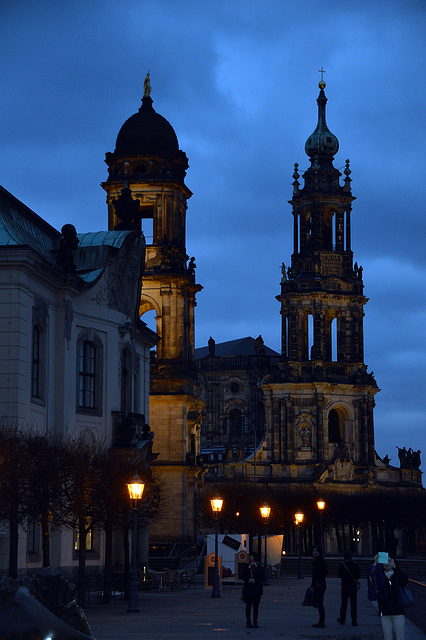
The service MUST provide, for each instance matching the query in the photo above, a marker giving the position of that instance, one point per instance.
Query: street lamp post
(135, 488)
(321, 507)
(216, 504)
(298, 517)
(265, 511)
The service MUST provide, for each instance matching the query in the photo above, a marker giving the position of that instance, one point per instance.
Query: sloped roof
(239, 347)
(92, 253)
(21, 227)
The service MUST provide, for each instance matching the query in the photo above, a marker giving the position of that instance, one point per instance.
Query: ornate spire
(321, 142)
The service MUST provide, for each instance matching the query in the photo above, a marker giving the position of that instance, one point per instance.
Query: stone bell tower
(146, 190)
(320, 404)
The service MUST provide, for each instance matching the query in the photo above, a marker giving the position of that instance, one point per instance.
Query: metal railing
(417, 614)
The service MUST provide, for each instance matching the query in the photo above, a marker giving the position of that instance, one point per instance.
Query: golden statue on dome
(147, 86)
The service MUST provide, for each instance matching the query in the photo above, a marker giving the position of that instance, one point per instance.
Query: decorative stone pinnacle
(347, 171)
(296, 173)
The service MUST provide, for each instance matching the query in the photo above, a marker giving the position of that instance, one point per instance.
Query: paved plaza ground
(191, 614)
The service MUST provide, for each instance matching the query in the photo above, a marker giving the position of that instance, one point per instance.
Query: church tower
(146, 190)
(320, 404)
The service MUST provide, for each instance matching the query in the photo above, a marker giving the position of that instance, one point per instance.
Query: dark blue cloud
(238, 82)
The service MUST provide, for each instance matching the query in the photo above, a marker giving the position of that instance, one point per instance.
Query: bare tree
(13, 505)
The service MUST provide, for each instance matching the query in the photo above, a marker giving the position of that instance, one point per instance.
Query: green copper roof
(21, 227)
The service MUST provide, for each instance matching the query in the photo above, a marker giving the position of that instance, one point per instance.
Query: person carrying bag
(349, 574)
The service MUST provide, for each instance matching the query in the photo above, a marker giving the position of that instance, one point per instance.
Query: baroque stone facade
(318, 400)
(146, 190)
(234, 417)
(74, 354)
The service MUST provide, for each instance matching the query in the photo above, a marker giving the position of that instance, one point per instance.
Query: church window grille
(235, 387)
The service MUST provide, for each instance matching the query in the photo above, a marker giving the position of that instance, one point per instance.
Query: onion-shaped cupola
(321, 142)
(321, 147)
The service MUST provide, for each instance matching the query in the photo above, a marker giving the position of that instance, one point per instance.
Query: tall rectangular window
(310, 336)
(333, 339)
(89, 536)
(37, 364)
(87, 375)
(33, 537)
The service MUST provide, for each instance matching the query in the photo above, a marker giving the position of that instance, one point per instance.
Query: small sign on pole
(209, 571)
(241, 560)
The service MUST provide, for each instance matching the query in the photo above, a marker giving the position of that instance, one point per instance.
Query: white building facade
(74, 355)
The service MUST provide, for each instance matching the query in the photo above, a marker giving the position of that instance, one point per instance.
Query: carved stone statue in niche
(305, 436)
(304, 433)
(240, 451)
(229, 453)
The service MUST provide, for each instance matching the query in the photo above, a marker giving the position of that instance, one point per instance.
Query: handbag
(405, 597)
(309, 600)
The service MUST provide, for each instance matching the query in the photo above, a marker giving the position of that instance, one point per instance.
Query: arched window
(334, 427)
(235, 387)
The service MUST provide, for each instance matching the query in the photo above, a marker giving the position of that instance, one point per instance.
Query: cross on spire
(321, 71)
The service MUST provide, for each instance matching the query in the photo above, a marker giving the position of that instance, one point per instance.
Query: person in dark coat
(349, 574)
(318, 584)
(391, 613)
(253, 588)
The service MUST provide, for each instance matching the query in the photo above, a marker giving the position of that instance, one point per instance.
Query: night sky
(238, 81)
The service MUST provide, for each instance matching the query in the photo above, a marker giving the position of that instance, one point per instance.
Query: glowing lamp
(135, 488)
(299, 517)
(265, 510)
(216, 504)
